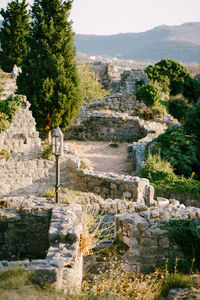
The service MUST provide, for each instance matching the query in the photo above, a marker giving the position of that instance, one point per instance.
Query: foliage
(149, 94)
(185, 233)
(192, 123)
(156, 169)
(191, 90)
(175, 280)
(8, 109)
(178, 108)
(47, 152)
(174, 71)
(90, 86)
(180, 149)
(13, 34)
(161, 175)
(86, 164)
(49, 75)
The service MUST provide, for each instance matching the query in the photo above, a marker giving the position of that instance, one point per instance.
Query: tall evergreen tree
(15, 28)
(49, 75)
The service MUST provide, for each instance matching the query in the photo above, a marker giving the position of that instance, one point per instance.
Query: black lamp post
(57, 150)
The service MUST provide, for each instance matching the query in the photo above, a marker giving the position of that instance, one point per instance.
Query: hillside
(180, 43)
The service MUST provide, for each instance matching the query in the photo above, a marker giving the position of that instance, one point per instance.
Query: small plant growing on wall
(5, 154)
(47, 152)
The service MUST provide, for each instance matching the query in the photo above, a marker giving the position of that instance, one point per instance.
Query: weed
(86, 164)
(5, 154)
(47, 152)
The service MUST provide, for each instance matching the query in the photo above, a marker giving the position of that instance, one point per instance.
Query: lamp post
(57, 150)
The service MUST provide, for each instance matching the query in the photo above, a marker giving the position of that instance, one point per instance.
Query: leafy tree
(192, 123)
(150, 94)
(15, 28)
(90, 86)
(49, 75)
(176, 73)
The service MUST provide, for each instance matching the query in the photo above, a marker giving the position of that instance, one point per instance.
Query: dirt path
(104, 158)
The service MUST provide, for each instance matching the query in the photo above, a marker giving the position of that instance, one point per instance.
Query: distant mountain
(180, 43)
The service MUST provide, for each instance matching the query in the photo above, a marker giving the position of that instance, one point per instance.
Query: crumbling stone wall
(129, 80)
(120, 102)
(143, 233)
(48, 234)
(21, 138)
(108, 185)
(25, 173)
(112, 127)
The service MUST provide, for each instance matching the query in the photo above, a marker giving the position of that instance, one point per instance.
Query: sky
(104, 17)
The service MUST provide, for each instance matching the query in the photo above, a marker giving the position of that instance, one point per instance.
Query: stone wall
(21, 138)
(108, 185)
(46, 233)
(120, 102)
(25, 173)
(129, 80)
(149, 244)
(112, 127)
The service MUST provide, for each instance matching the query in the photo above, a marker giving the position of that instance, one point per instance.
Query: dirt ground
(104, 158)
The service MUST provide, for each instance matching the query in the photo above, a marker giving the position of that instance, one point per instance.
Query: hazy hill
(173, 42)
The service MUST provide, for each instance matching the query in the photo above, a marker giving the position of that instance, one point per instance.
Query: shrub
(161, 175)
(180, 149)
(149, 94)
(191, 90)
(192, 123)
(156, 169)
(178, 108)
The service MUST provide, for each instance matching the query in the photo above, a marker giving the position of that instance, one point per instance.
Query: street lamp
(57, 150)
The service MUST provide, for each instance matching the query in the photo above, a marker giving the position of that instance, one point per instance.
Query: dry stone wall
(21, 139)
(108, 185)
(25, 173)
(113, 127)
(148, 243)
(120, 102)
(46, 237)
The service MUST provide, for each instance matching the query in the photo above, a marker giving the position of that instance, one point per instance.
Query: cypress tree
(15, 28)
(49, 75)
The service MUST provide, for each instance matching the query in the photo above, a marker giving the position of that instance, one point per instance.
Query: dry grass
(94, 232)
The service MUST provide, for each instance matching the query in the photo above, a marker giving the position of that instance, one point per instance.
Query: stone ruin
(43, 238)
(50, 245)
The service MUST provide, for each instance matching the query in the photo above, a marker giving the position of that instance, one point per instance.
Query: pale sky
(119, 16)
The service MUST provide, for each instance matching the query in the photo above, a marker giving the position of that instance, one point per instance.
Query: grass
(112, 283)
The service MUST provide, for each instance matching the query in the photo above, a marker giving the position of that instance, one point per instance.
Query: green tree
(191, 90)
(176, 73)
(15, 28)
(90, 86)
(49, 75)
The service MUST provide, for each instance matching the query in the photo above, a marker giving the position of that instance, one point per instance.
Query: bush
(161, 175)
(149, 94)
(191, 90)
(180, 149)
(192, 123)
(47, 152)
(178, 108)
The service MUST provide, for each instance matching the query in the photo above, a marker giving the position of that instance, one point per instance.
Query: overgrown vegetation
(185, 233)
(8, 109)
(90, 85)
(161, 175)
